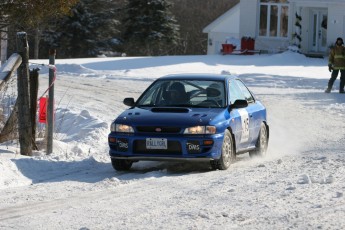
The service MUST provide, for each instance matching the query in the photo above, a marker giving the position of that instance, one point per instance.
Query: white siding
(305, 29)
(227, 23)
(272, 45)
(336, 17)
(248, 18)
(217, 39)
(246, 26)
(335, 24)
(226, 26)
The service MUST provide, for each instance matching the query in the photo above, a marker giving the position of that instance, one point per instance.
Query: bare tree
(193, 16)
(33, 15)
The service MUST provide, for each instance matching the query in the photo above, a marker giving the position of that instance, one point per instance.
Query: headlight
(112, 127)
(121, 128)
(200, 130)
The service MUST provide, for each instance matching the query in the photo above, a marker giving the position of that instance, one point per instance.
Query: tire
(228, 153)
(121, 165)
(262, 143)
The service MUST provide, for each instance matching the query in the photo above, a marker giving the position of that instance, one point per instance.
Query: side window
(153, 95)
(235, 92)
(247, 95)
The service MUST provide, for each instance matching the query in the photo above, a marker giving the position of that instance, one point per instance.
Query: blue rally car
(191, 118)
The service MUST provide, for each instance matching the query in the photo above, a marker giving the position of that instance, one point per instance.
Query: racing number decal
(245, 124)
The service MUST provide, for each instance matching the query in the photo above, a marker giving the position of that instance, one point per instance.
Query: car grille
(174, 147)
(155, 129)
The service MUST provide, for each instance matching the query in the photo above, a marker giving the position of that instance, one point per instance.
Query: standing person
(336, 63)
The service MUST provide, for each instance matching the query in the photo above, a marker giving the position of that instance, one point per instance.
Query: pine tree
(150, 28)
(89, 31)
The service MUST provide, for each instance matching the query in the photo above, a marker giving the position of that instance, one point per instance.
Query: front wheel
(228, 153)
(262, 143)
(121, 165)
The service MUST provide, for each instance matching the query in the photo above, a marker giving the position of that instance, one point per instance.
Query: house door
(318, 39)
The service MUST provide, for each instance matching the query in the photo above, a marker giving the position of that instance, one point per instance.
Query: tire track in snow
(46, 206)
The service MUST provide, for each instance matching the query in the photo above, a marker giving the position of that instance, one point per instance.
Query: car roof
(197, 76)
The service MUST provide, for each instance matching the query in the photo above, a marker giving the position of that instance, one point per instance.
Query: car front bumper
(179, 147)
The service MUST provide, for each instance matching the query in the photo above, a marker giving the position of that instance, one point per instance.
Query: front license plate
(156, 143)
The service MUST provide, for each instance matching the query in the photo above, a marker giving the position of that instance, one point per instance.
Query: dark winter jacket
(337, 57)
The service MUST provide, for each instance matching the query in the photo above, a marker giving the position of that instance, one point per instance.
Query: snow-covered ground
(300, 185)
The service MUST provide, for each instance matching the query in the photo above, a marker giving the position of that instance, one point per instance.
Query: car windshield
(184, 93)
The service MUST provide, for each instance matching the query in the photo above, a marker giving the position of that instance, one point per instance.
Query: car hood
(171, 116)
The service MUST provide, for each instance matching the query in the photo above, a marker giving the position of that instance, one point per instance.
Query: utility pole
(50, 110)
(24, 121)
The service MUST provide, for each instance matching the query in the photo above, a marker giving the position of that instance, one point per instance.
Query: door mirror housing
(239, 104)
(129, 101)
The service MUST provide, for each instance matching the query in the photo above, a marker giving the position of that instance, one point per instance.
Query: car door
(253, 113)
(239, 116)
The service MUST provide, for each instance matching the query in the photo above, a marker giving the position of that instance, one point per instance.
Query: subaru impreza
(190, 117)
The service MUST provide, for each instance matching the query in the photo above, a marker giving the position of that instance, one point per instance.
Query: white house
(226, 26)
(312, 25)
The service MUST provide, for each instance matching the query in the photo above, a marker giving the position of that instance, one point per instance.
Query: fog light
(122, 144)
(193, 147)
(112, 139)
(208, 142)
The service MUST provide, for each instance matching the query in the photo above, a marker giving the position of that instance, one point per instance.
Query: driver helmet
(214, 92)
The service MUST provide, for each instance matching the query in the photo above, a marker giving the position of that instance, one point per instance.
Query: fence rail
(6, 72)
(21, 117)
(8, 68)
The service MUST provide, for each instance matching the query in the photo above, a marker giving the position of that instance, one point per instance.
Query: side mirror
(129, 101)
(238, 104)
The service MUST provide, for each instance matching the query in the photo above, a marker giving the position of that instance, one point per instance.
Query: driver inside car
(176, 94)
(214, 95)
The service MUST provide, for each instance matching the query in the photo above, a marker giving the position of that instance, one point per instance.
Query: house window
(274, 16)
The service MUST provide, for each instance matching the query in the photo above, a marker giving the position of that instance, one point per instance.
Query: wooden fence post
(50, 110)
(3, 45)
(34, 83)
(24, 121)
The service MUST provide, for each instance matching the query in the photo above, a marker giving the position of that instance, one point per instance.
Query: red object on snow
(228, 48)
(42, 115)
(247, 45)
